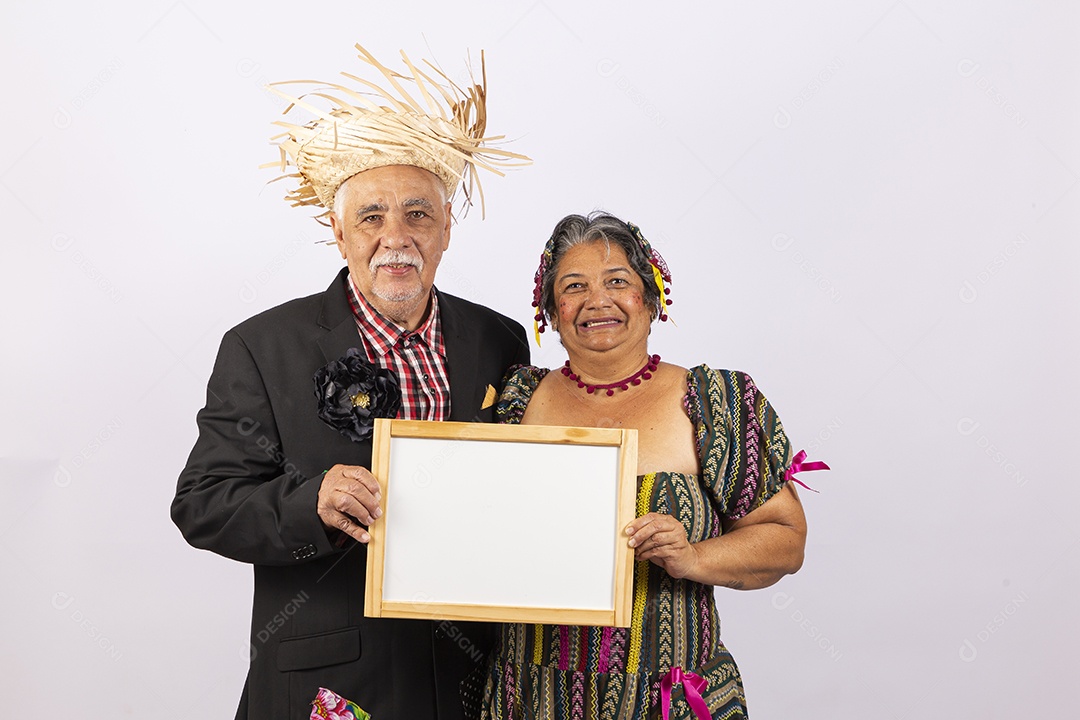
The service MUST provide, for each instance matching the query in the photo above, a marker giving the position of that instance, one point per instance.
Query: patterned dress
(556, 672)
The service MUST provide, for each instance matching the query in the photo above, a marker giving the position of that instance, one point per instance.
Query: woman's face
(599, 300)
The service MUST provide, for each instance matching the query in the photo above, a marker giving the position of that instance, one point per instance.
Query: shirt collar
(383, 334)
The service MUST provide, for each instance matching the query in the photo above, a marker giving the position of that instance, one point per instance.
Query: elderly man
(270, 483)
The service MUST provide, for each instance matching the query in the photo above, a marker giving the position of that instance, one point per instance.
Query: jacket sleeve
(239, 496)
(522, 356)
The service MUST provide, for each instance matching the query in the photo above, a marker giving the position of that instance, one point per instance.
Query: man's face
(394, 227)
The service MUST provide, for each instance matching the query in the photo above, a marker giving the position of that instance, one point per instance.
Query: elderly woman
(714, 503)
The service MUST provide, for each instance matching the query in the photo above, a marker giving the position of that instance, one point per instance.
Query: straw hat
(369, 127)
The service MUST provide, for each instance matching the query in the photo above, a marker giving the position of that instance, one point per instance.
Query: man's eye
(418, 214)
(369, 218)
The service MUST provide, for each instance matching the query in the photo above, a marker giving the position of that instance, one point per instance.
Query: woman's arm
(754, 552)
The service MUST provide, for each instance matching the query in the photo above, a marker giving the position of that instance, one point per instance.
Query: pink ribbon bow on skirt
(692, 684)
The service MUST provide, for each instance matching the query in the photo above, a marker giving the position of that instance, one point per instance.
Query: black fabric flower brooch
(352, 393)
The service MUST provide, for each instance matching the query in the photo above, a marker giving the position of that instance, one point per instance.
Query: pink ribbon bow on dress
(797, 465)
(692, 687)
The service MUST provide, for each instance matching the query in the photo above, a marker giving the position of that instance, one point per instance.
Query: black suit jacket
(249, 492)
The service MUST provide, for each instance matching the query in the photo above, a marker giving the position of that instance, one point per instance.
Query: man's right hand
(348, 500)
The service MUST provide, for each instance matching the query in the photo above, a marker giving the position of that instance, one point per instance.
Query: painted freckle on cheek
(565, 309)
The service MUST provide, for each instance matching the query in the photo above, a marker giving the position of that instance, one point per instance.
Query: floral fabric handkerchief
(328, 705)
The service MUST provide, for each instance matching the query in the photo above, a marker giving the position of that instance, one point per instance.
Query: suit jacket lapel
(461, 352)
(337, 317)
(460, 337)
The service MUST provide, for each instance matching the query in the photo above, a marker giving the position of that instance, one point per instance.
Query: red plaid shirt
(417, 357)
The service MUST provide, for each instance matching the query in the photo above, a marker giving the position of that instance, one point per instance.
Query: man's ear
(446, 230)
(339, 236)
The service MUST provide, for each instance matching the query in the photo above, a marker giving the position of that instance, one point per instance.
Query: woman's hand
(661, 539)
(753, 552)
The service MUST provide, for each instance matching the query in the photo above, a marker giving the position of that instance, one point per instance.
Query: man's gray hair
(339, 199)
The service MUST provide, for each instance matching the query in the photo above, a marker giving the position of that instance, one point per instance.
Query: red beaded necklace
(643, 374)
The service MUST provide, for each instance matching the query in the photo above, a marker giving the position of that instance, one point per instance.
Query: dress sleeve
(518, 386)
(743, 449)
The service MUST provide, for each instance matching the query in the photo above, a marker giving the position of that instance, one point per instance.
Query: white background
(870, 206)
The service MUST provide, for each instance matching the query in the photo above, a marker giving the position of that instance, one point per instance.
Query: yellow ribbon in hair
(536, 332)
(659, 279)
(663, 297)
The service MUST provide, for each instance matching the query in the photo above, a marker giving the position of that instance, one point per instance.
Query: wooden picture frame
(504, 523)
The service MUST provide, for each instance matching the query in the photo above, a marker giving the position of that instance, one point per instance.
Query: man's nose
(396, 233)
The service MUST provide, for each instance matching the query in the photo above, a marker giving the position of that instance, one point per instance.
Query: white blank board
(483, 522)
(508, 523)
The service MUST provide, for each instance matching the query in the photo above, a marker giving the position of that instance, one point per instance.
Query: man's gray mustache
(397, 258)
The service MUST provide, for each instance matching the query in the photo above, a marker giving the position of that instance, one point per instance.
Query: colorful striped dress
(557, 672)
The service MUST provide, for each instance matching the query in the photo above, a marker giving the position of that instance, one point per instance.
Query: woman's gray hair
(599, 226)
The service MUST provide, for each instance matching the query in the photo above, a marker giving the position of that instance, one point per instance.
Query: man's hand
(348, 500)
